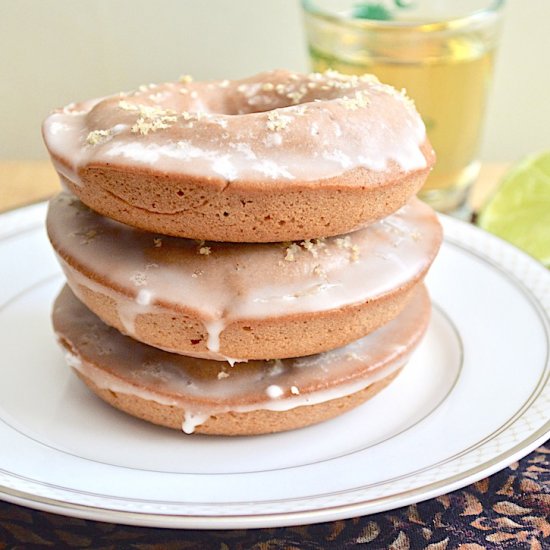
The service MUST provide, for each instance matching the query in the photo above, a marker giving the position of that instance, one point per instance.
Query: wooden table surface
(25, 182)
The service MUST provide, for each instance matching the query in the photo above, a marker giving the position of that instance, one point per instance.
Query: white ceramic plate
(474, 398)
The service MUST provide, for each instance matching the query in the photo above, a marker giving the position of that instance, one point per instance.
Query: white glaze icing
(289, 130)
(195, 415)
(121, 365)
(191, 420)
(274, 391)
(214, 329)
(238, 282)
(128, 311)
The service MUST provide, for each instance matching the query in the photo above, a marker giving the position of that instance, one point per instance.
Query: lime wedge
(519, 211)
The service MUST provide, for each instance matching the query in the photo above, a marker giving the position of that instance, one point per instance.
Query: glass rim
(494, 7)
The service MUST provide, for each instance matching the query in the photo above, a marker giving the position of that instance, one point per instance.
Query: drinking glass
(440, 51)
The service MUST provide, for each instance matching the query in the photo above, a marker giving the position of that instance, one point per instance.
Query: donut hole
(194, 342)
(180, 193)
(260, 94)
(225, 214)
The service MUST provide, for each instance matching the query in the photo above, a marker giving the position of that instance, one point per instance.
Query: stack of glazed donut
(242, 257)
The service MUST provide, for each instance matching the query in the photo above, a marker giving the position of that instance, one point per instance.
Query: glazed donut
(241, 301)
(247, 399)
(276, 157)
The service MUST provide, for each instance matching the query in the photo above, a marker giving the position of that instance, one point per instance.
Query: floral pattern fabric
(509, 510)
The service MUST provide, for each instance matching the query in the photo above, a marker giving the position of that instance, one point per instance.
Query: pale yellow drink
(446, 70)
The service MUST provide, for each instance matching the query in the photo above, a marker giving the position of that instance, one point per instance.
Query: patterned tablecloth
(510, 509)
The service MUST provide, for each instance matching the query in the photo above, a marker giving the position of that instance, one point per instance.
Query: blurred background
(58, 51)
